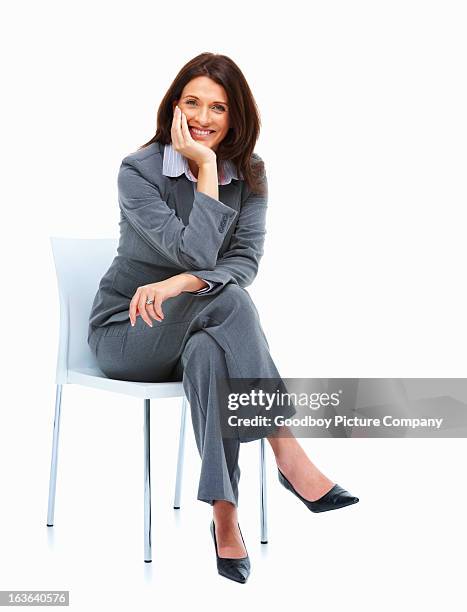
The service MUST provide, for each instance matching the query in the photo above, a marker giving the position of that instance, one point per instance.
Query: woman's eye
(219, 106)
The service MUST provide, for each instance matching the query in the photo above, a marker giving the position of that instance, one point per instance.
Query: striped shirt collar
(175, 164)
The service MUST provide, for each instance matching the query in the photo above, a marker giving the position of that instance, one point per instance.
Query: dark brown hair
(240, 140)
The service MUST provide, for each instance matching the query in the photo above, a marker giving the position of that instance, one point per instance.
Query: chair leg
(181, 454)
(147, 482)
(263, 499)
(53, 465)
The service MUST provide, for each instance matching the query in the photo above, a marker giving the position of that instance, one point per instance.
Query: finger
(185, 130)
(158, 309)
(138, 314)
(151, 310)
(172, 129)
(178, 127)
(142, 309)
(133, 307)
(154, 309)
(176, 132)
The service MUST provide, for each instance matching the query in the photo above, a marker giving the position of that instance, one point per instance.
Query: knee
(201, 340)
(237, 298)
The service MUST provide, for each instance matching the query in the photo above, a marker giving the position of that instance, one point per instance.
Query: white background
(364, 131)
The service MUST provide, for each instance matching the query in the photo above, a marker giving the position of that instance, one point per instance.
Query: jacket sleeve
(239, 264)
(194, 246)
(204, 289)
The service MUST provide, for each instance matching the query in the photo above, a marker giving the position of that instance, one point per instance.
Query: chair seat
(93, 377)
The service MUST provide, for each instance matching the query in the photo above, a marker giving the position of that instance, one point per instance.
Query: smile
(201, 132)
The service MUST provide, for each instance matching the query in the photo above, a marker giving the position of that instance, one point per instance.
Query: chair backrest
(80, 264)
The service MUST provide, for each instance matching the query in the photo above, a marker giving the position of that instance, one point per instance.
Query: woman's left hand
(159, 292)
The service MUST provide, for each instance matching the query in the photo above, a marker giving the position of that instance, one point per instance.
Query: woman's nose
(203, 117)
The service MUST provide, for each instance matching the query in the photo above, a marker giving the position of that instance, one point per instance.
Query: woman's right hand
(184, 143)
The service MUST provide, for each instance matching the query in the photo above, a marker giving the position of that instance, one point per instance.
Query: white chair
(80, 264)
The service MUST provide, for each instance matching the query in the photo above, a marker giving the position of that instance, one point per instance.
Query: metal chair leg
(147, 482)
(263, 499)
(53, 465)
(181, 454)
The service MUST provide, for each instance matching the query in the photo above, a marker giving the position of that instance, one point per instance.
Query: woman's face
(205, 105)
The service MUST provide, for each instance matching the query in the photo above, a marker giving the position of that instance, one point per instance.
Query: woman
(193, 206)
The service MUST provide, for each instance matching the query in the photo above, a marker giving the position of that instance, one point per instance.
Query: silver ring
(150, 301)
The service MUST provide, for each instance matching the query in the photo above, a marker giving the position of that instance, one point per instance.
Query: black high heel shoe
(336, 498)
(234, 569)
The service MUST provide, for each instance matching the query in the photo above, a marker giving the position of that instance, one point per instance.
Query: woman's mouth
(201, 134)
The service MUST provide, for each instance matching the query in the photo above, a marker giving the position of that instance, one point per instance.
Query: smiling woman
(193, 204)
(214, 95)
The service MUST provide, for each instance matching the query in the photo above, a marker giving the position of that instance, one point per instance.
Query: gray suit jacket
(168, 227)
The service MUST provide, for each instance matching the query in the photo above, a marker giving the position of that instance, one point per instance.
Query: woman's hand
(159, 292)
(184, 143)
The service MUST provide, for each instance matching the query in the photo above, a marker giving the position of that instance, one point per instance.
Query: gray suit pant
(201, 337)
